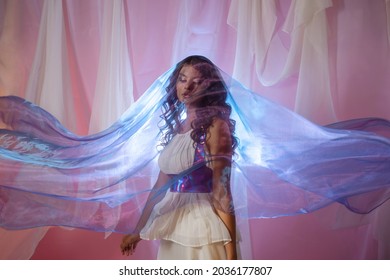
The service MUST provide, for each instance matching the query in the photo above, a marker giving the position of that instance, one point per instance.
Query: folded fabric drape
(284, 164)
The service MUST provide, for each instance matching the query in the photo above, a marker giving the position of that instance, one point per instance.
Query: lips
(186, 95)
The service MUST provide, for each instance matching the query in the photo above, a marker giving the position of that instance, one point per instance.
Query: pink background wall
(327, 60)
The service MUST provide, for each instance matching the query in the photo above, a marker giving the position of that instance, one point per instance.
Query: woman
(197, 90)
(284, 165)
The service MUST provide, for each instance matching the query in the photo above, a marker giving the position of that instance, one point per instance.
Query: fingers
(126, 251)
(129, 250)
(125, 248)
(128, 245)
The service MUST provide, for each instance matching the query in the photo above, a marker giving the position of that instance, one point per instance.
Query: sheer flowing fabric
(284, 164)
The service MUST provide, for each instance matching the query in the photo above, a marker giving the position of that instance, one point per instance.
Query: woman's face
(188, 84)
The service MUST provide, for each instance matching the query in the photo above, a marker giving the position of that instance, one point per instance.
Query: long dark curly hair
(210, 103)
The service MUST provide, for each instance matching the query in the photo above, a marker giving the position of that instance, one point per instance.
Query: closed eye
(182, 79)
(198, 81)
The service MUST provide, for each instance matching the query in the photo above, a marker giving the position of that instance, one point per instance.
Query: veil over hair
(283, 165)
(210, 100)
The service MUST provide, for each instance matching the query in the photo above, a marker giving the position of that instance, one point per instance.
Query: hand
(129, 243)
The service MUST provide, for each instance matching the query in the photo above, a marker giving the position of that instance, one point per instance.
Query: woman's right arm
(130, 241)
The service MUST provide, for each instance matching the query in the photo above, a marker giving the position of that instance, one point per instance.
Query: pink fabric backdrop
(87, 61)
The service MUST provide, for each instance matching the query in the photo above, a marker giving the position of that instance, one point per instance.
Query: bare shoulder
(219, 137)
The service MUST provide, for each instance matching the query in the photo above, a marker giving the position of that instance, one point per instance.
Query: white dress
(185, 223)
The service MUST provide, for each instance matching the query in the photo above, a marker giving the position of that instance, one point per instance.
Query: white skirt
(189, 220)
(170, 250)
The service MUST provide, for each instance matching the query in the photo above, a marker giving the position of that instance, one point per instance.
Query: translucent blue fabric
(200, 179)
(284, 164)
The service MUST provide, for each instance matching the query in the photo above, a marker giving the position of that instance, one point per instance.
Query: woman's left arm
(219, 144)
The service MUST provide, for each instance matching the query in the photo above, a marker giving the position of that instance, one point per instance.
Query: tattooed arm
(220, 148)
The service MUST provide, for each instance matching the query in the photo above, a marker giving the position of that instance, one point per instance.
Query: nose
(188, 85)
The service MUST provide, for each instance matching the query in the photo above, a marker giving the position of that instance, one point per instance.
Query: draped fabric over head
(284, 164)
